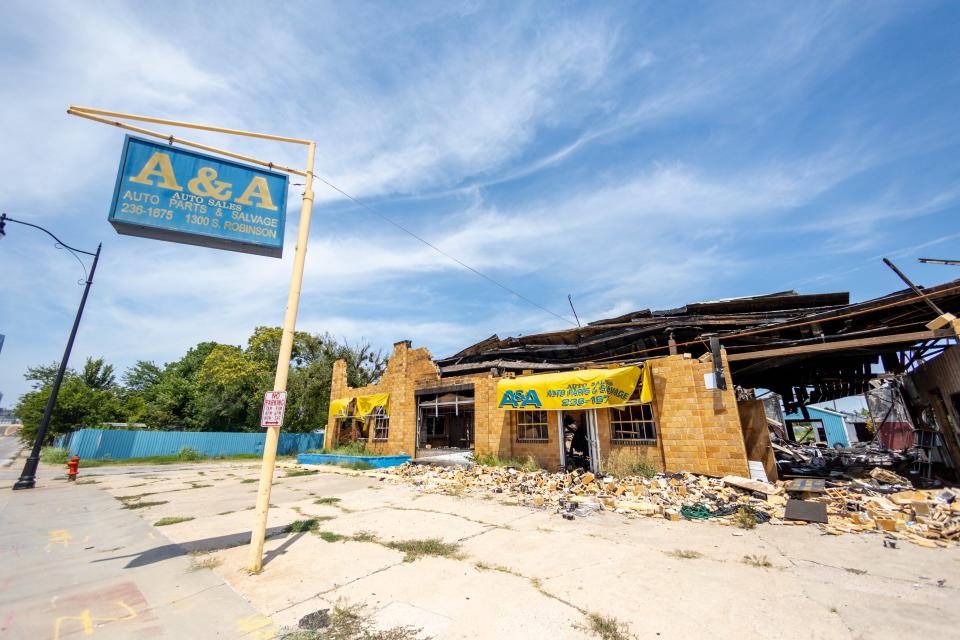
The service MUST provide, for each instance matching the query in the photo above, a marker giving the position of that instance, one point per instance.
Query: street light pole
(28, 478)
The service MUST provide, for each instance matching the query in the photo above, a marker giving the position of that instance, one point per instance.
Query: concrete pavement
(76, 564)
(9, 448)
(529, 573)
(519, 572)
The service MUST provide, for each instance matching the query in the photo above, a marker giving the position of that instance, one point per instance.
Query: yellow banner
(339, 407)
(584, 389)
(646, 391)
(367, 404)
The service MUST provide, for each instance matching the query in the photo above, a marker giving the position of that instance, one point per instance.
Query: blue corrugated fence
(121, 444)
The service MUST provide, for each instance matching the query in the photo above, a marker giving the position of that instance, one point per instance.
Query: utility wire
(441, 251)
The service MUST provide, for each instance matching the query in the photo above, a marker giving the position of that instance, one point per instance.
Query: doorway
(568, 422)
(445, 422)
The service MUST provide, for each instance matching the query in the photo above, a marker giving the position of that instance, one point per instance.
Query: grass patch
(607, 627)
(758, 561)
(143, 505)
(326, 501)
(350, 449)
(87, 481)
(623, 462)
(356, 465)
(223, 513)
(856, 572)
(419, 548)
(745, 518)
(298, 526)
(293, 473)
(163, 522)
(684, 554)
(330, 536)
(490, 459)
(54, 455)
(175, 459)
(249, 480)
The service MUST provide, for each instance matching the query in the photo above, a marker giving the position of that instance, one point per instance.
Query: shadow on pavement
(167, 551)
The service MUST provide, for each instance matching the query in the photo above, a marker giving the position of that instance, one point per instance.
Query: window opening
(633, 424)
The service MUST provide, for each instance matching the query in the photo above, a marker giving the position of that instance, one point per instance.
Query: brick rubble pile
(884, 502)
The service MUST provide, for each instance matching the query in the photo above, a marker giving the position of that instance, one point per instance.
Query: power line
(439, 250)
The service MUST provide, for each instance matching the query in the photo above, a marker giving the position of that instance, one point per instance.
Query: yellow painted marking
(87, 621)
(258, 627)
(58, 536)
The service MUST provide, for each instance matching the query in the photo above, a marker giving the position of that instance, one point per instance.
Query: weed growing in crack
(326, 501)
(330, 536)
(249, 480)
(684, 554)
(419, 548)
(758, 561)
(606, 627)
(143, 505)
(163, 522)
(293, 473)
(204, 561)
(856, 572)
(365, 536)
(301, 526)
(351, 622)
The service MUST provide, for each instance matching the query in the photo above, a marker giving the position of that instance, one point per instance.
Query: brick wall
(698, 429)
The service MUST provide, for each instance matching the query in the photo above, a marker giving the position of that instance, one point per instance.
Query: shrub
(358, 448)
(490, 459)
(745, 518)
(623, 462)
(188, 454)
(53, 455)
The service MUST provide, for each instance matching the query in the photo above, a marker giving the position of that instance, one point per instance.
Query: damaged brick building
(673, 388)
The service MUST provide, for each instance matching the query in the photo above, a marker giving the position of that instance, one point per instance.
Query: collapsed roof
(808, 348)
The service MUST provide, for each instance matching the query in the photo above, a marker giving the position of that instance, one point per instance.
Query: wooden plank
(840, 345)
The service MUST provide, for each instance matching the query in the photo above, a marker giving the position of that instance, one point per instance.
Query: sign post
(253, 193)
(259, 533)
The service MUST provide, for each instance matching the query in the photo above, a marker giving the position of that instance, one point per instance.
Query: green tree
(231, 387)
(142, 376)
(98, 375)
(78, 405)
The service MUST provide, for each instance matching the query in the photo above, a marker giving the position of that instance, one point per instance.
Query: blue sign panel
(167, 193)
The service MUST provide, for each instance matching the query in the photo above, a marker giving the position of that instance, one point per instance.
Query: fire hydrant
(72, 467)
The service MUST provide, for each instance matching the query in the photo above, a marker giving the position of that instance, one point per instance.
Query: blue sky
(632, 155)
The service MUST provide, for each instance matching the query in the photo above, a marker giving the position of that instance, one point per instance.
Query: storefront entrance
(581, 451)
(445, 421)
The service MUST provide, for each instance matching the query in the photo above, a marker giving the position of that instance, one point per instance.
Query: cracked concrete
(530, 573)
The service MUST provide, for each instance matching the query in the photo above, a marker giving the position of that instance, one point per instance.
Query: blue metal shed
(827, 426)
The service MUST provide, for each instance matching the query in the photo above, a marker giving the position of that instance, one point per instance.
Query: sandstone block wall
(698, 429)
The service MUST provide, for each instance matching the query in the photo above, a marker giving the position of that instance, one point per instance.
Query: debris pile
(884, 501)
(836, 462)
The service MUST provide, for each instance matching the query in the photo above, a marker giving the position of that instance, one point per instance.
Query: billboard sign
(167, 193)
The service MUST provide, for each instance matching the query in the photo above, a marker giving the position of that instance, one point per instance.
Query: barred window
(532, 426)
(632, 424)
(381, 424)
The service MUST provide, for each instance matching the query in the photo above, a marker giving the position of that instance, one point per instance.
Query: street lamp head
(3, 223)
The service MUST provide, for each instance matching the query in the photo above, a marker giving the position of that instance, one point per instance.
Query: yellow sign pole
(114, 118)
(258, 535)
